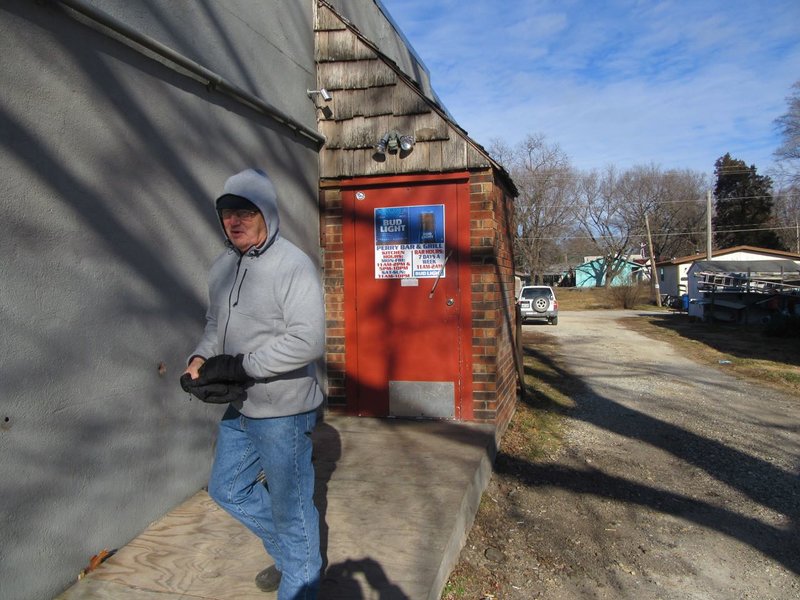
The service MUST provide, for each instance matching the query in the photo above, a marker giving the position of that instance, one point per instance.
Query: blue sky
(676, 84)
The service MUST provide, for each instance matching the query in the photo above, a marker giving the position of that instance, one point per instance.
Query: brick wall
(494, 377)
(492, 282)
(331, 242)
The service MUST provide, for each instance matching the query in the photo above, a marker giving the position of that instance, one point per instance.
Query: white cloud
(672, 83)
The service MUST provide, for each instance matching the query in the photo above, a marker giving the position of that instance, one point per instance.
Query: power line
(724, 231)
(575, 175)
(698, 200)
(642, 235)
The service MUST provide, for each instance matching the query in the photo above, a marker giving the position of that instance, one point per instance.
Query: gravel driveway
(675, 481)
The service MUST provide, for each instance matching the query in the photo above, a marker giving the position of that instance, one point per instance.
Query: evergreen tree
(743, 206)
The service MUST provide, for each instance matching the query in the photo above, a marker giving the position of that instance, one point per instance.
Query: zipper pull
(239, 291)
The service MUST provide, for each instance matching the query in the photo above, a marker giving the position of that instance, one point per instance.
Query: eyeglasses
(242, 214)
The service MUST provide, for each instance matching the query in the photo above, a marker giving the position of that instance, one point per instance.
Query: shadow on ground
(742, 341)
(761, 481)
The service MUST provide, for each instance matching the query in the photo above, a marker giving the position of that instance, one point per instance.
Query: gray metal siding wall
(110, 160)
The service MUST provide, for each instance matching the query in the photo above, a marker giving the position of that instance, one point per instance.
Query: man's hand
(223, 368)
(218, 380)
(194, 367)
(213, 393)
(194, 387)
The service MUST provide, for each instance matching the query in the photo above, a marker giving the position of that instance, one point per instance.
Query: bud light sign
(409, 242)
(391, 226)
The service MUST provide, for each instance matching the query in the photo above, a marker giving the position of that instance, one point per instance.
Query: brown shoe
(269, 579)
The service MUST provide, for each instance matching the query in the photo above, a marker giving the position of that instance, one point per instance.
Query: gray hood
(255, 186)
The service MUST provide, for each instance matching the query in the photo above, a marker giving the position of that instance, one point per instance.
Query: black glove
(187, 383)
(232, 393)
(213, 393)
(199, 389)
(223, 368)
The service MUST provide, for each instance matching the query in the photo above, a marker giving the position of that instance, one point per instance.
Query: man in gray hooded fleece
(264, 329)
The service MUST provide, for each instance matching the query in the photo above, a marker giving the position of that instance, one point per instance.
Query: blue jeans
(282, 513)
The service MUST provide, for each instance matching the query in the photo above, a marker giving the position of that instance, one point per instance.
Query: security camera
(322, 92)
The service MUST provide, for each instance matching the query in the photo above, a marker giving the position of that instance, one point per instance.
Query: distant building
(673, 274)
(743, 291)
(593, 273)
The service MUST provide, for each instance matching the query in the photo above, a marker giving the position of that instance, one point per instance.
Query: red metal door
(406, 260)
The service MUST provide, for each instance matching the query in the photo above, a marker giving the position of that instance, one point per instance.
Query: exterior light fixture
(322, 92)
(392, 141)
(380, 147)
(406, 142)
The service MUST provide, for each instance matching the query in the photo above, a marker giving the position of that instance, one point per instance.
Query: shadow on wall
(111, 160)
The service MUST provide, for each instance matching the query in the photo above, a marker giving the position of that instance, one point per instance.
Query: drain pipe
(213, 80)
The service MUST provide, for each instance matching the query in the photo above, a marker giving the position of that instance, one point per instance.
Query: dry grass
(743, 350)
(602, 298)
(535, 431)
(538, 426)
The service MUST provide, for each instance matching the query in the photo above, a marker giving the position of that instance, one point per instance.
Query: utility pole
(653, 274)
(709, 251)
(797, 233)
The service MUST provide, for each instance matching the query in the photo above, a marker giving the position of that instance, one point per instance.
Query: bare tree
(561, 213)
(674, 203)
(789, 124)
(639, 192)
(612, 207)
(577, 245)
(546, 182)
(787, 216)
(604, 218)
(678, 216)
(787, 200)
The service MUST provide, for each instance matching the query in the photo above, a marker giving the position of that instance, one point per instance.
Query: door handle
(439, 276)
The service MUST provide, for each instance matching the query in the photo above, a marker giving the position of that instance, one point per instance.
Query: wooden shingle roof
(372, 96)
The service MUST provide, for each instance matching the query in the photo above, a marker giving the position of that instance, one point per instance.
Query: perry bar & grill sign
(409, 242)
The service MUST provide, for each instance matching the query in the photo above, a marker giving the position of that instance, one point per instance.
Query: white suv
(538, 302)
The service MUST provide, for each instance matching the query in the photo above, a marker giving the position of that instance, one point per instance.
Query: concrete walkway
(396, 500)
